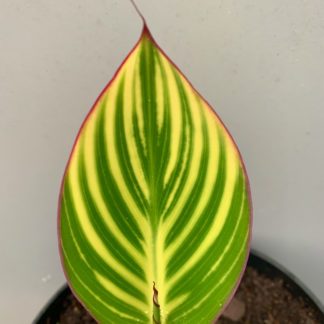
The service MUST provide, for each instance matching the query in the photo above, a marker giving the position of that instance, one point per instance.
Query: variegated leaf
(154, 207)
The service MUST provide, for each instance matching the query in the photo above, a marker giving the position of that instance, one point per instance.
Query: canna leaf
(154, 207)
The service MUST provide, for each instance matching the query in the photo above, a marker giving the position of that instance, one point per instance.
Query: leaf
(154, 206)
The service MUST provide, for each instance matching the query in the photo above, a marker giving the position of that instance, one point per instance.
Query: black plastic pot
(256, 260)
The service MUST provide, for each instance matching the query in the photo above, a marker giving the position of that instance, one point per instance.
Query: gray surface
(259, 63)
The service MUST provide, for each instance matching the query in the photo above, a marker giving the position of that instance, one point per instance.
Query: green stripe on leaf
(154, 208)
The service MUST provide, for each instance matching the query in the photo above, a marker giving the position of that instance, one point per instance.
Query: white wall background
(259, 63)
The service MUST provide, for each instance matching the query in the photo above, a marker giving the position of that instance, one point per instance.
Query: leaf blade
(154, 191)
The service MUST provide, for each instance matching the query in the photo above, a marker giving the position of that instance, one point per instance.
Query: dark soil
(266, 300)
(270, 301)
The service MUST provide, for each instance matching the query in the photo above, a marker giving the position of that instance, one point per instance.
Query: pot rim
(258, 260)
